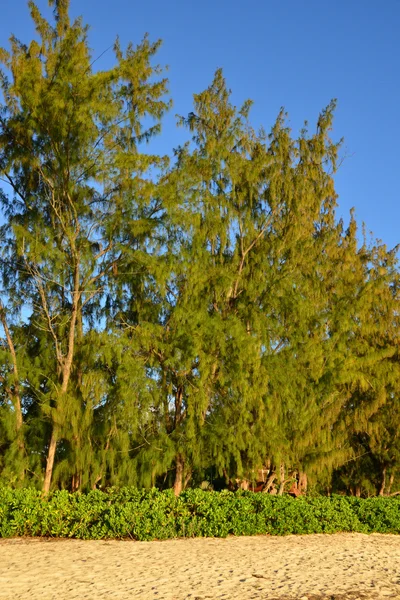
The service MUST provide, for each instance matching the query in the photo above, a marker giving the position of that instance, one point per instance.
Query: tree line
(172, 319)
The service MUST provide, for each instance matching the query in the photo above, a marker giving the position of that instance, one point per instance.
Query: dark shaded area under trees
(166, 321)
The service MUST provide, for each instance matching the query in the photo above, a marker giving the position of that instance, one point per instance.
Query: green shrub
(149, 515)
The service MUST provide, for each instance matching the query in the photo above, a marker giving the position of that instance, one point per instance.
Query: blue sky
(291, 53)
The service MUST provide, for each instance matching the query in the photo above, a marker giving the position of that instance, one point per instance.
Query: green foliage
(140, 515)
(167, 317)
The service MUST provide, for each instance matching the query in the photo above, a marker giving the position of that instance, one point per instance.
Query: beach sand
(293, 567)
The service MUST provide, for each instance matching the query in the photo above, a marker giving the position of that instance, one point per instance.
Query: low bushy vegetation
(149, 515)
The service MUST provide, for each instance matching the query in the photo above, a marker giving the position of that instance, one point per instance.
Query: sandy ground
(332, 567)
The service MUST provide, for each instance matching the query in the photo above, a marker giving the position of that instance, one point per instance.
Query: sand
(294, 567)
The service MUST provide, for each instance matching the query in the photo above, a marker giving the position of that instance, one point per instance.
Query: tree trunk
(187, 477)
(243, 484)
(66, 372)
(178, 484)
(383, 483)
(76, 482)
(391, 480)
(303, 482)
(269, 483)
(282, 480)
(50, 461)
(65, 364)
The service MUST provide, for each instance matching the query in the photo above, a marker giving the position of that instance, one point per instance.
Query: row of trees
(166, 320)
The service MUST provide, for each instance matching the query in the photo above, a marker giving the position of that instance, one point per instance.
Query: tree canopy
(167, 320)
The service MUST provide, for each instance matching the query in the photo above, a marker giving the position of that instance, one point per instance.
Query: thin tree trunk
(391, 480)
(79, 338)
(282, 480)
(383, 483)
(94, 484)
(50, 461)
(302, 482)
(179, 462)
(66, 369)
(76, 482)
(178, 406)
(243, 484)
(153, 477)
(187, 477)
(178, 484)
(269, 483)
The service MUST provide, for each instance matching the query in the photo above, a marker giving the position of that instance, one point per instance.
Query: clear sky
(293, 53)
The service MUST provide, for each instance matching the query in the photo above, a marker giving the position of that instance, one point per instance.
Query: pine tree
(371, 415)
(69, 150)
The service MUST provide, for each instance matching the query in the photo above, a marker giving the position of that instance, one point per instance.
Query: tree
(69, 150)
